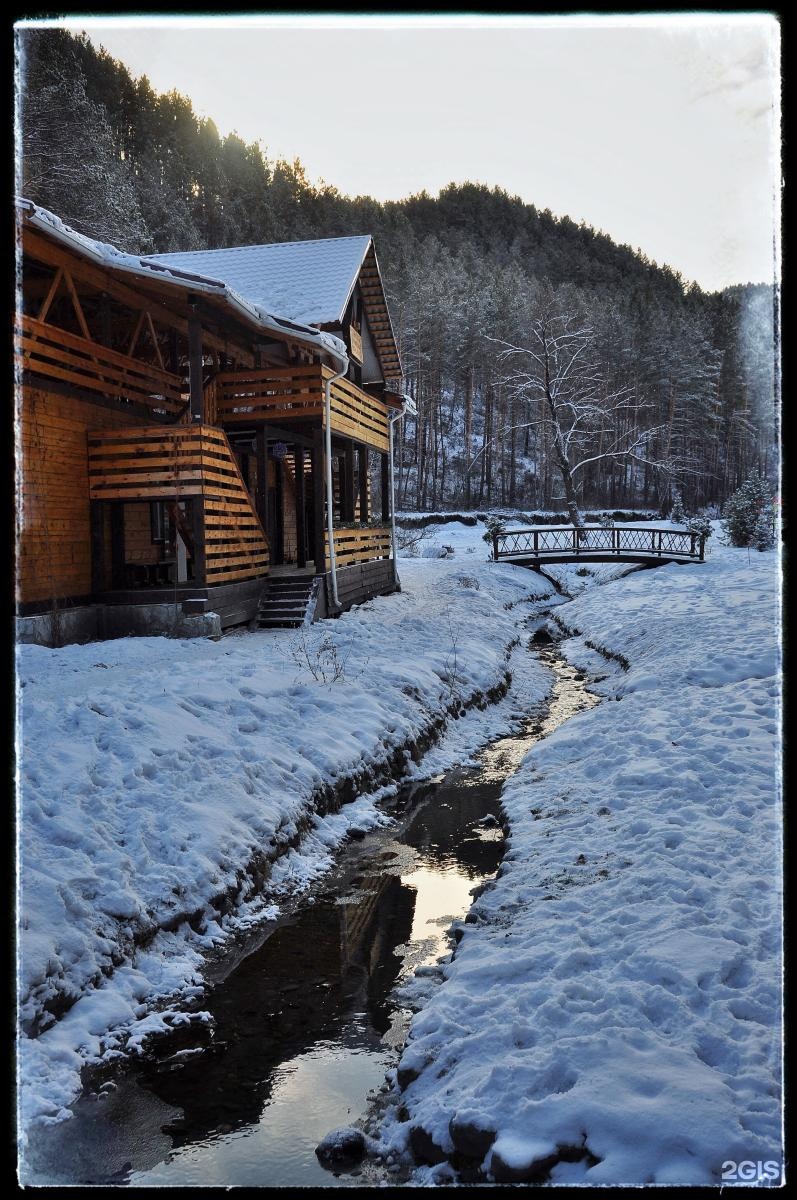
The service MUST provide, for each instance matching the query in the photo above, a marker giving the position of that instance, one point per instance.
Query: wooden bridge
(566, 543)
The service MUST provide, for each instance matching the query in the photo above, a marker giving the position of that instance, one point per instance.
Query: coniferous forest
(675, 392)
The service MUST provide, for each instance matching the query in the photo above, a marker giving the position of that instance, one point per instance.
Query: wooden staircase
(285, 601)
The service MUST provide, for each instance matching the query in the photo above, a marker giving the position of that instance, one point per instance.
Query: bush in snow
(493, 526)
(606, 521)
(700, 525)
(749, 513)
(323, 659)
(410, 539)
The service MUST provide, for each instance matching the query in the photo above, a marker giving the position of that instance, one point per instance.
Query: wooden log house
(180, 446)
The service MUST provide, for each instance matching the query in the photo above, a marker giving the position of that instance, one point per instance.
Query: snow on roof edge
(143, 267)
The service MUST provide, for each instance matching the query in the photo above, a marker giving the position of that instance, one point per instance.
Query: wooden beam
(77, 307)
(385, 488)
(45, 308)
(362, 480)
(347, 484)
(198, 530)
(195, 368)
(154, 337)
(97, 508)
(117, 546)
(317, 459)
(136, 332)
(301, 542)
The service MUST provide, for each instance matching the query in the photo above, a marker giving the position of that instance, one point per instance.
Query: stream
(308, 1021)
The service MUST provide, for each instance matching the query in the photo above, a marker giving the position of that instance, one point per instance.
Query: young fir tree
(678, 512)
(748, 511)
(764, 532)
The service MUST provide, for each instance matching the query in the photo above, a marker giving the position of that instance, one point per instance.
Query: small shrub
(494, 526)
(700, 525)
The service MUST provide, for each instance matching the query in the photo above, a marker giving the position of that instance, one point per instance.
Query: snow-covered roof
(188, 276)
(308, 281)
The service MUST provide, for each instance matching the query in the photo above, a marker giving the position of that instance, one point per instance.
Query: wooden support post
(174, 352)
(97, 546)
(301, 542)
(385, 489)
(347, 493)
(261, 489)
(198, 531)
(362, 480)
(319, 525)
(195, 368)
(117, 545)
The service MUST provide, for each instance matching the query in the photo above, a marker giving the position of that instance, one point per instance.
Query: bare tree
(590, 417)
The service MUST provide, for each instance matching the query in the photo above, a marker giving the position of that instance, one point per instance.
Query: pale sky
(662, 131)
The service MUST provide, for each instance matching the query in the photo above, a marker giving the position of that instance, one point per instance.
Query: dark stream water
(307, 1023)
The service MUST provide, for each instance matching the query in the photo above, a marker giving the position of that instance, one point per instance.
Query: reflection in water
(307, 1024)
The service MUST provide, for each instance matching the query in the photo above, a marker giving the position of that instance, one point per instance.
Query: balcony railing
(359, 545)
(58, 354)
(288, 394)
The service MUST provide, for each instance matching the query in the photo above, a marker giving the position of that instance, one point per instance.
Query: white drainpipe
(330, 529)
(396, 417)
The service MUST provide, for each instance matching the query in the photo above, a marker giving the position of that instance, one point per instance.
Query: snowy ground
(619, 992)
(152, 771)
(618, 999)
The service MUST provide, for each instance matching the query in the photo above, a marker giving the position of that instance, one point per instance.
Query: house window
(158, 521)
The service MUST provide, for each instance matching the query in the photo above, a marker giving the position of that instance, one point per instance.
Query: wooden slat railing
(58, 354)
(282, 394)
(182, 461)
(567, 543)
(270, 394)
(356, 414)
(359, 545)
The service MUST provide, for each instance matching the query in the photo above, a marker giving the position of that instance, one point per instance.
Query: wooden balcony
(179, 462)
(55, 353)
(284, 395)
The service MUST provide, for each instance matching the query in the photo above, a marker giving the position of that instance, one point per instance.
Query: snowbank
(154, 772)
(613, 1014)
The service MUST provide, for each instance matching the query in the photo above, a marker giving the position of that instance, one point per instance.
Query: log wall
(53, 515)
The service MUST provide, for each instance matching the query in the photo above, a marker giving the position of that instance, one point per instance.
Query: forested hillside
(667, 389)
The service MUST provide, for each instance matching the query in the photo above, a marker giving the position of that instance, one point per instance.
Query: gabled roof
(310, 281)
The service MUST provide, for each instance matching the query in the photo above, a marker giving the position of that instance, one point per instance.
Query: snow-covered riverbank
(154, 772)
(617, 1000)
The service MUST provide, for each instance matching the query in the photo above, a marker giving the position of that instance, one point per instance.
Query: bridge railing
(570, 542)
